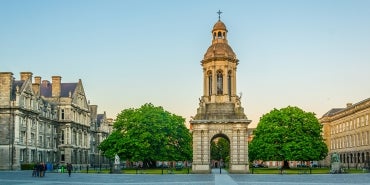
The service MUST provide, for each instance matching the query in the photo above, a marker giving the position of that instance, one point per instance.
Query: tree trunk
(286, 164)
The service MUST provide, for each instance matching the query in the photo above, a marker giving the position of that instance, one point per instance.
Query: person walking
(69, 169)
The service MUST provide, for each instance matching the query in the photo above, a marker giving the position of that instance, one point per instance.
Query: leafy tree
(148, 134)
(288, 134)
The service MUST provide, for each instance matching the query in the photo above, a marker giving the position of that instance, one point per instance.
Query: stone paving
(25, 178)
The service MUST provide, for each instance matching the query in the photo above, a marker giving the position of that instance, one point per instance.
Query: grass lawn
(254, 171)
(299, 171)
(157, 171)
(145, 171)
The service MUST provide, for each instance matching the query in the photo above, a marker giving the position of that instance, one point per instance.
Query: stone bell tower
(220, 113)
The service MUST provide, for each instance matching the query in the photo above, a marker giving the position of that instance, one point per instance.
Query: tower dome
(219, 26)
(219, 47)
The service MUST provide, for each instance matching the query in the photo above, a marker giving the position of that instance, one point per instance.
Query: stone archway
(220, 152)
(203, 133)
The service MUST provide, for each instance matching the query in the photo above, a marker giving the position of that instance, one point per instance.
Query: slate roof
(46, 89)
(16, 83)
(333, 111)
(66, 88)
(99, 118)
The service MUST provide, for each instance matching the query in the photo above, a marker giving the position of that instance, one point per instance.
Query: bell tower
(220, 113)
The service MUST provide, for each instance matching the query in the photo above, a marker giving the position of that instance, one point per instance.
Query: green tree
(288, 134)
(148, 134)
(220, 149)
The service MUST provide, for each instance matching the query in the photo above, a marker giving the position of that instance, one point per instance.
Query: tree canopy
(148, 133)
(288, 134)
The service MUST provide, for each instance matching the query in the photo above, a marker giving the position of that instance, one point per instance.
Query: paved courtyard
(24, 177)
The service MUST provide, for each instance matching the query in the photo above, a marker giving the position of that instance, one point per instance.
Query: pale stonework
(346, 131)
(48, 122)
(220, 113)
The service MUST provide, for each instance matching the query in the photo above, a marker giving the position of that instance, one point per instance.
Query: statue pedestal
(116, 169)
(335, 167)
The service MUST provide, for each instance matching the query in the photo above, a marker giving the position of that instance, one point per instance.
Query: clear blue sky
(314, 54)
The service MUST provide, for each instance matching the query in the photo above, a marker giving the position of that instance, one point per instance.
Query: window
(229, 83)
(23, 137)
(74, 138)
(209, 83)
(32, 138)
(22, 154)
(62, 137)
(219, 83)
(62, 114)
(33, 154)
(48, 140)
(62, 158)
(40, 141)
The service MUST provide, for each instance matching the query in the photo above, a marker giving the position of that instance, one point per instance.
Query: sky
(313, 54)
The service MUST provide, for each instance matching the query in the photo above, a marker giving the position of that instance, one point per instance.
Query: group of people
(39, 170)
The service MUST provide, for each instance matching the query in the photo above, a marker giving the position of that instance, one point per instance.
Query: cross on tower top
(219, 14)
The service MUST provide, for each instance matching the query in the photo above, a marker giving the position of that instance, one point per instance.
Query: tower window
(219, 35)
(214, 35)
(209, 83)
(229, 83)
(219, 83)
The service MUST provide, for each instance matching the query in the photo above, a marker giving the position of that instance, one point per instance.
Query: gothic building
(101, 127)
(220, 113)
(43, 122)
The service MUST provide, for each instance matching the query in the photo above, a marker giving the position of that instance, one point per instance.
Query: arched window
(209, 83)
(223, 34)
(214, 35)
(219, 35)
(219, 83)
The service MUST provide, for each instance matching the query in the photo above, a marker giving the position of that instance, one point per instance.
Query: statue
(117, 164)
(334, 158)
(116, 159)
(335, 163)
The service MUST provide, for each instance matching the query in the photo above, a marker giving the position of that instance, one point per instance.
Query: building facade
(43, 121)
(101, 127)
(347, 133)
(220, 113)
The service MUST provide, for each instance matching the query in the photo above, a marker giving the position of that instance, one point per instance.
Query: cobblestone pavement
(25, 178)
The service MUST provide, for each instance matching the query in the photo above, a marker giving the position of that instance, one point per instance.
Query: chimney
(6, 82)
(37, 80)
(26, 75)
(349, 105)
(55, 86)
(36, 85)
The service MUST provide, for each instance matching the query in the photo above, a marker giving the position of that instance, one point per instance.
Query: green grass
(290, 171)
(254, 171)
(157, 171)
(300, 171)
(144, 171)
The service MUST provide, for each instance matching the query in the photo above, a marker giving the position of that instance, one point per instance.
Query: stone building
(101, 127)
(220, 113)
(42, 121)
(347, 133)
